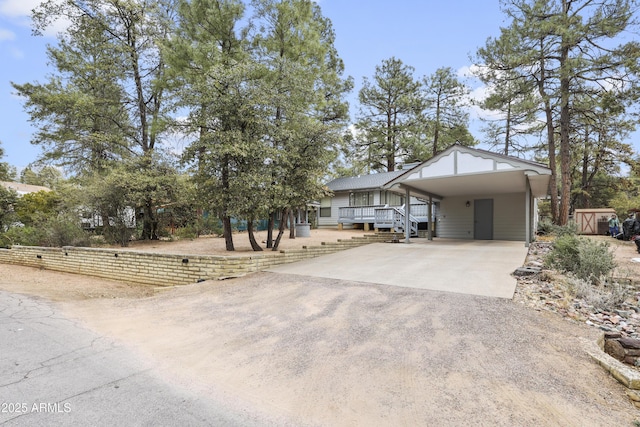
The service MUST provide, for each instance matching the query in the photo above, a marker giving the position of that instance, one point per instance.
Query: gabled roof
(363, 182)
(461, 170)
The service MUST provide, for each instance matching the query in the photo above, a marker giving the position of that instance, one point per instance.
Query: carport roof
(460, 171)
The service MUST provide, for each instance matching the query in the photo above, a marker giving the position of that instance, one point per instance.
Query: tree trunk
(252, 238)
(436, 132)
(149, 222)
(106, 224)
(270, 230)
(551, 143)
(391, 154)
(292, 225)
(227, 232)
(285, 212)
(507, 131)
(585, 199)
(565, 129)
(226, 219)
(553, 182)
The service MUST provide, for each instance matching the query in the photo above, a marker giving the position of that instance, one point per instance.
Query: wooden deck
(385, 217)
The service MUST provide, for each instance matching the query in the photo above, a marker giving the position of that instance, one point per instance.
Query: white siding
(455, 220)
(338, 201)
(509, 217)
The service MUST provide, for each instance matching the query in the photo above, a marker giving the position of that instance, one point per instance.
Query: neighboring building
(23, 189)
(593, 221)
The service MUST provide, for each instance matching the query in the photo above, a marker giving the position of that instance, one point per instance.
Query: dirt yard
(208, 245)
(306, 351)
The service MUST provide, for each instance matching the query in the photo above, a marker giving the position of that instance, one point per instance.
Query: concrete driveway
(476, 267)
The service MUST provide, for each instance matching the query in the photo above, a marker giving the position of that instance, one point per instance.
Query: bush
(545, 227)
(24, 236)
(583, 257)
(570, 228)
(187, 232)
(120, 235)
(56, 232)
(208, 226)
(564, 256)
(605, 295)
(60, 232)
(595, 260)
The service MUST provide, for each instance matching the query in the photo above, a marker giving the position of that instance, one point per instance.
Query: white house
(363, 202)
(482, 195)
(470, 193)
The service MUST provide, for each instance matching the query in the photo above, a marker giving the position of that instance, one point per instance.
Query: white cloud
(17, 8)
(6, 35)
(354, 131)
(19, 12)
(56, 27)
(468, 71)
(479, 91)
(16, 53)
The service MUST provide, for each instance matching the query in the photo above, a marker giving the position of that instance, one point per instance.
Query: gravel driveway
(296, 350)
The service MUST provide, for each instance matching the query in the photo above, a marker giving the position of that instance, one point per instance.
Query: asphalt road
(55, 372)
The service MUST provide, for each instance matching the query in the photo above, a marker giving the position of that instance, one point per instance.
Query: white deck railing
(384, 216)
(357, 214)
(394, 219)
(362, 214)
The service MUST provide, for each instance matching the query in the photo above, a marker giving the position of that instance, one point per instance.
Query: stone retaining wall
(625, 349)
(627, 375)
(166, 269)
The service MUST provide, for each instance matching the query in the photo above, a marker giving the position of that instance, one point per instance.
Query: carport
(482, 195)
(476, 267)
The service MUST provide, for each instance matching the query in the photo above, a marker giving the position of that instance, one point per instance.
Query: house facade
(481, 195)
(363, 202)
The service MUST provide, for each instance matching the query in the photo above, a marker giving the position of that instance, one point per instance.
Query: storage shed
(593, 221)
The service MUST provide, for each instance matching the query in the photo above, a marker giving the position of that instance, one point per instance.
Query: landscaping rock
(544, 290)
(614, 349)
(527, 271)
(632, 343)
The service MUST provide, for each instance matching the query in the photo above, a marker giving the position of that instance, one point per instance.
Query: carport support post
(527, 212)
(430, 219)
(407, 214)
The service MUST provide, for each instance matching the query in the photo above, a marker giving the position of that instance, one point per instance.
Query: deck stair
(393, 218)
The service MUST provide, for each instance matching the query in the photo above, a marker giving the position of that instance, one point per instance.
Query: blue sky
(426, 34)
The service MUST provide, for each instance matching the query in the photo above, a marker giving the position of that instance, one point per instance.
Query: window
(393, 199)
(325, 207)
(361, 199)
